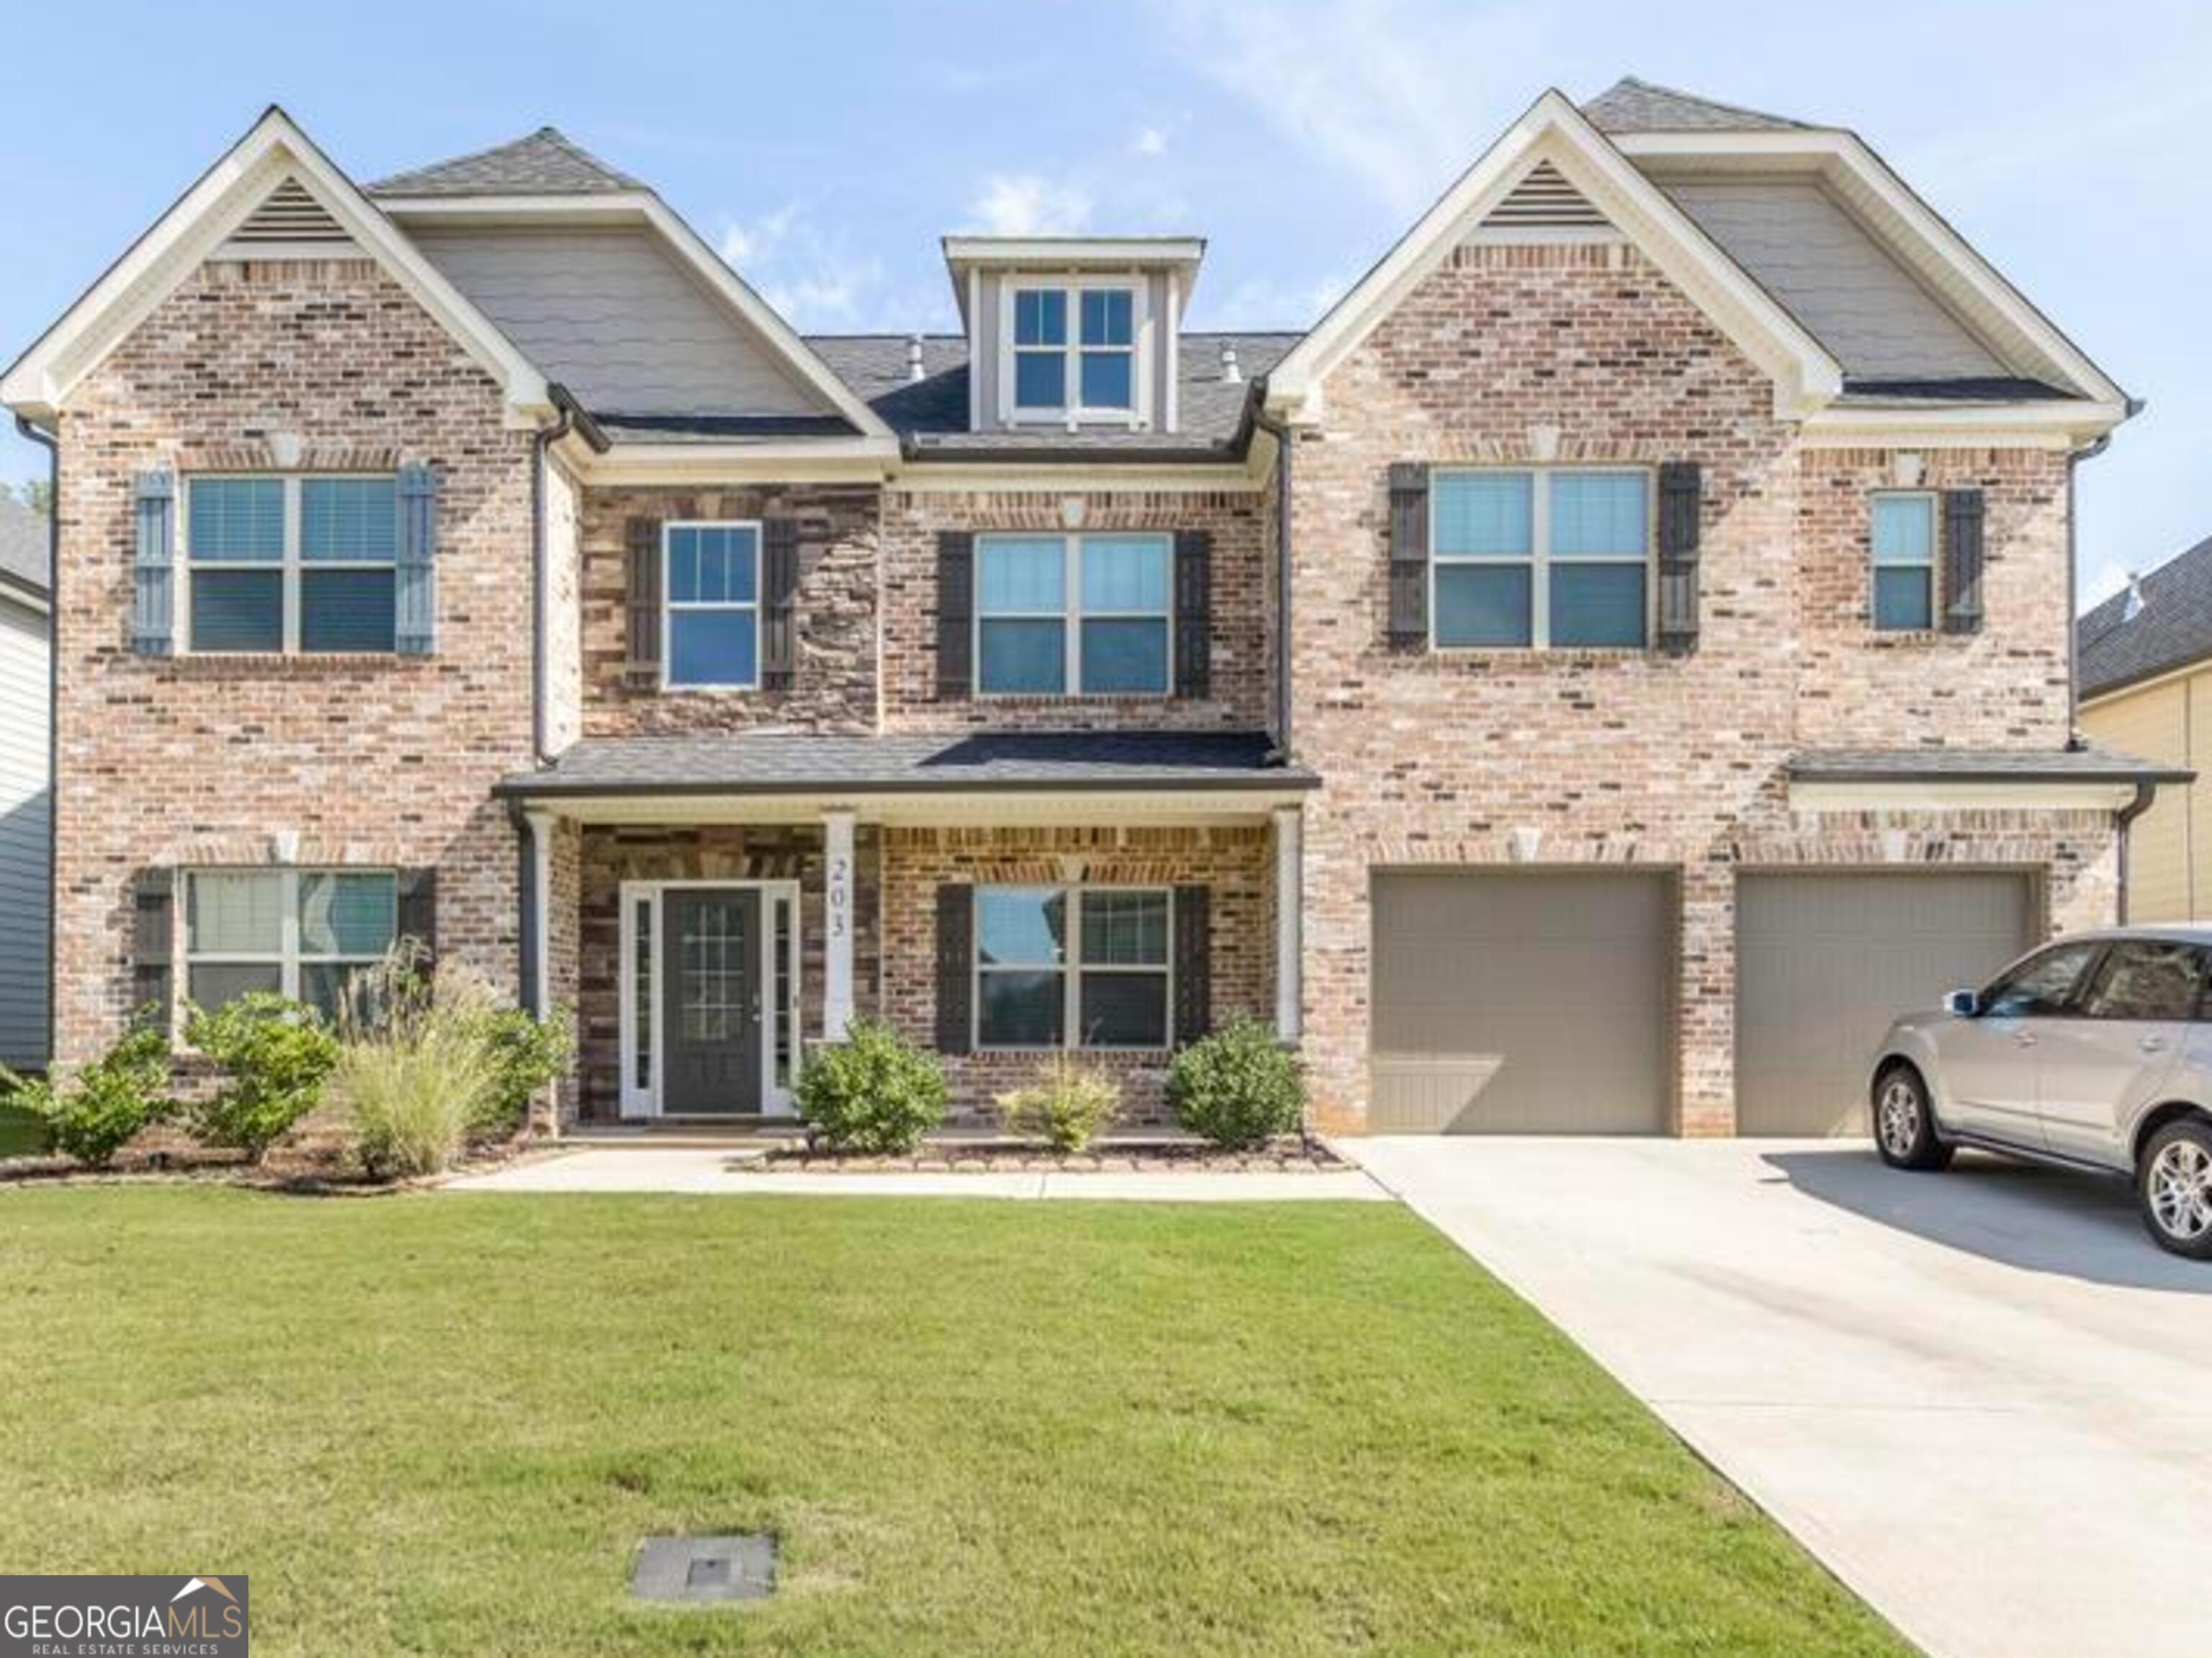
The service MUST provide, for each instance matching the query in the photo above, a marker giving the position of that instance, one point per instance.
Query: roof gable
(546, 162)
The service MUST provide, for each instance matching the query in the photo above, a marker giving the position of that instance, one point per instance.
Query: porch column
(1289, 903)
(538, 914)
(837, 924)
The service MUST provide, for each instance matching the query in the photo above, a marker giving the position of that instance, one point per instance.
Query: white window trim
(671, 607)
(1540, 562)
(290, 567)
(637, 1099)
(1071, 617)
(1876, 563)
(1138, 415)
(1071, 970)
(289, 958)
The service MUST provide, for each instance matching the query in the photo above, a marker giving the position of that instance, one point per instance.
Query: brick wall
(365, 760)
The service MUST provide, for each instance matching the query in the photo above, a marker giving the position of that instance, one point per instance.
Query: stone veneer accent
(1630, 757)
(367, 760)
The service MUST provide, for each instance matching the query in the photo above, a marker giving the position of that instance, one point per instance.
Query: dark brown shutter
(779, 603)
(956, 614)
(153, 935)
(955, 932)
(1194, 613)
(1963, 516)
(643, 667)
(1681, 497)
(1194, 963)
(1409, 555)
(418, 909)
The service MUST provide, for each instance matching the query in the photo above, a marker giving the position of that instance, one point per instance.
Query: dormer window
(1096, 356)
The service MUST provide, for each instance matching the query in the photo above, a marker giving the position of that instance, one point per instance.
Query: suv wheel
(1905, 1123)
(2173, 1183)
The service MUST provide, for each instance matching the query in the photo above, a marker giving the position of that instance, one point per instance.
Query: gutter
(52, 444)
(573, 418)
(1280, 431)
(2122, 821)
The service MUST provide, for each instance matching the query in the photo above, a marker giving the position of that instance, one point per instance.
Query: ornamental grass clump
(1066, 1106)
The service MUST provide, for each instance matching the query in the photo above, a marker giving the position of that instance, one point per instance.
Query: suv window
(2145, 978)
(2041, 985)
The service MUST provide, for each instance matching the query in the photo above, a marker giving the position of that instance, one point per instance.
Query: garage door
(1825, 962)
(1520, 1003)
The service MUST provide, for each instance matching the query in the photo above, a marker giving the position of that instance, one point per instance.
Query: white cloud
(1264, 303)
(1149, 141)
(1029, 205)
(814, 278)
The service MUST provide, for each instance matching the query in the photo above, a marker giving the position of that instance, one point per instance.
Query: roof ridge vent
(1231, 374)
(2136, 603)
(916, 373)
(290, 213)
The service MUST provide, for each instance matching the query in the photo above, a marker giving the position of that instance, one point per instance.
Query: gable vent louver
(1545, 201)
(291, 214)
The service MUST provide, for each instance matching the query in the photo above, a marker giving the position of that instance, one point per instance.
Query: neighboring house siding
(613, 315)
(376, 761)
(2170, 846)
(1612, 757)
(26, 833)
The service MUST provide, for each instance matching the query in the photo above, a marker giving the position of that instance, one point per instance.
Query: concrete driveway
(1982, 1398)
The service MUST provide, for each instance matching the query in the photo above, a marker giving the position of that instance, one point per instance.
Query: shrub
(275, 1054)
(527, 1053)
(1066, 1106)
(1239, 1086)
(874, 1092)
(418, 1068)
(100, 1108)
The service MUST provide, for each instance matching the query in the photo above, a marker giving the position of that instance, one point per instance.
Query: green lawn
(442, 1423)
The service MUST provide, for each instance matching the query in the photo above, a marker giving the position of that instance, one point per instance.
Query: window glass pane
(1594, 515)
(1124, 1010)
(322, 985)
(1597, 604)
(355, 519)
(1025, 575)
(712, 564)
(1125, 929)
(237, 518)
(1024, 925)
(1125, 657)
(234, 912)
(212, 984)
(347, 915)
(2040, 985)
(1024, 658)
(1903, 530)
(2145, 980)
(1040, 380)
(346, 611)
(1021, 1010)
(1483, 514)
(1482, 604)
(1041, 317)
(712, 647)
(239, 610)
(1108, 380)
(1902, 599)
(682, 565)
(1109, 316)
(1125, 574)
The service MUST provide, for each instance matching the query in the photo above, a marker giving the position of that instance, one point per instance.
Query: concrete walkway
(716, 1170)
(1983, 1398)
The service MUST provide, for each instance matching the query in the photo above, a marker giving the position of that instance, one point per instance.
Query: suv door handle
(2025, 1038)
(2151, 1044)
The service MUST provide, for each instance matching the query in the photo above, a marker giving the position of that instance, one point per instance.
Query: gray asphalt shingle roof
(2174, 628)
(1632, 106)
(24, 544)
(776, 763)
(544, 163)
(2083, 765)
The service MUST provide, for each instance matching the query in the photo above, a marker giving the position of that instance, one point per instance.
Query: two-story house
(1625, 644)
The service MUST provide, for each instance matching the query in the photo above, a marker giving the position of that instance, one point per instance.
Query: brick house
(1617, 653)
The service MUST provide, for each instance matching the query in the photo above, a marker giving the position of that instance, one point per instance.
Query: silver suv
(2094, 1052)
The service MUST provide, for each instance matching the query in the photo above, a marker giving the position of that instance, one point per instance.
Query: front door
(710, 968)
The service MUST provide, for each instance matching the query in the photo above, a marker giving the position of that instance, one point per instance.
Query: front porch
(1110, 895)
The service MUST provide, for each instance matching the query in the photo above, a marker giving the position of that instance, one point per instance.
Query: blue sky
(825, 146)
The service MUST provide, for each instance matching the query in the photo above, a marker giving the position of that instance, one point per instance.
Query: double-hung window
(1904, 561)
(303, 564)
(1075, 350)
(712, 585)
(299, 932)
(1551, 558)
(1072, 967)
(1085, 615)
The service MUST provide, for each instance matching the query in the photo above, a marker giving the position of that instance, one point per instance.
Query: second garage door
(1825, 962)
(1523, 1003)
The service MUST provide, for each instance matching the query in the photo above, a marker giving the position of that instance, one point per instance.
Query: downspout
(573, 418)
(1282, 751)
(2146, 791)
(52, 444)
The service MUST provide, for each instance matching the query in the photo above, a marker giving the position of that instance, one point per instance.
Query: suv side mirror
(1963, 1003)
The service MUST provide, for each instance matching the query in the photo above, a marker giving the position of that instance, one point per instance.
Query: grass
(442, 1423)
(22, 1134)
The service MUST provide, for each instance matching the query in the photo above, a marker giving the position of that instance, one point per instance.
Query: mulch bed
(306, 1170)
(1287, 1156)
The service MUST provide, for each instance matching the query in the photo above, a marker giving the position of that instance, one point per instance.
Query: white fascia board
(983, 808)
(1937, 795)
(557, 210)
(1806, 375)
(1072, 477)
(1971, 426)
(201, 220)
(1073, 250)
(825, 460)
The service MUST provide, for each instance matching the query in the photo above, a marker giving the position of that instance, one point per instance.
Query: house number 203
(840, 894)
